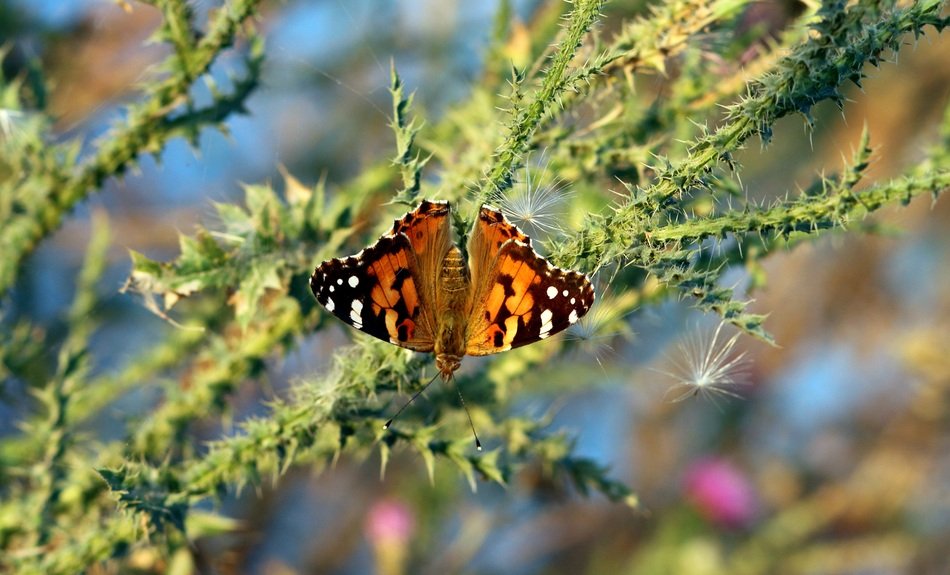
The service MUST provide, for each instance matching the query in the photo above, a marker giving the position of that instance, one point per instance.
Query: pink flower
(721, 492)
(389, 526)
(389, 521)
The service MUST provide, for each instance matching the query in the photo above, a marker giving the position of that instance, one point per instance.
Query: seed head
(705, 366)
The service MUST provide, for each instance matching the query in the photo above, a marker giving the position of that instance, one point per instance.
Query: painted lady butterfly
(414, 288)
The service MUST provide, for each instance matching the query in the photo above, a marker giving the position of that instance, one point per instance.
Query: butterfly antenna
(478, 444)
(408, 403)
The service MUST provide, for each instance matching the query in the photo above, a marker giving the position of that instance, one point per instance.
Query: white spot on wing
(573, 317)
(331, 289)
(572, 301)
(546, 325)
(564, 293)
(353, 281)
(339, 281)
(330, 305)
(552, 292)
(356, 311)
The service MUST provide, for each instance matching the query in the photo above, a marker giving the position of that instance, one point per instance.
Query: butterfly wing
(385, 289)
(520, 298)
(428, 229)
(491, 232)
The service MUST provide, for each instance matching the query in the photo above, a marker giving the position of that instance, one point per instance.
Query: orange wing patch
(422, 226)
(509, 306)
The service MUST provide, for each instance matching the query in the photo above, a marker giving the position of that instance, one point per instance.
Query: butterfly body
(454, 294)
(414, 288)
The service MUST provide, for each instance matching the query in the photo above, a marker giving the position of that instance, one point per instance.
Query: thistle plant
(646, 188)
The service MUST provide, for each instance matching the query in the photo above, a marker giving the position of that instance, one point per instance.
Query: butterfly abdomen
(454, 276)
(454, 294)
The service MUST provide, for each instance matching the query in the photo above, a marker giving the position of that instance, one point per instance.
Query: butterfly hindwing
(428, 231)
(377, 292)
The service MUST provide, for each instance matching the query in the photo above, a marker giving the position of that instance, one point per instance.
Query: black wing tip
(314, 280)
(320, 275)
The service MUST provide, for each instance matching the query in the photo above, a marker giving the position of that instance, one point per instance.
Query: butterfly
(416, 289)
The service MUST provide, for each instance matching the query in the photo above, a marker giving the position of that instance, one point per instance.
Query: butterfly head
(447, 363)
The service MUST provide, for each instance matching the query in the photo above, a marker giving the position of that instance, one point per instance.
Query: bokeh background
(836, 458)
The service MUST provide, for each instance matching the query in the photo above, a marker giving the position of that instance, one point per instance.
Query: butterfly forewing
(559, 297)
(377, 292)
